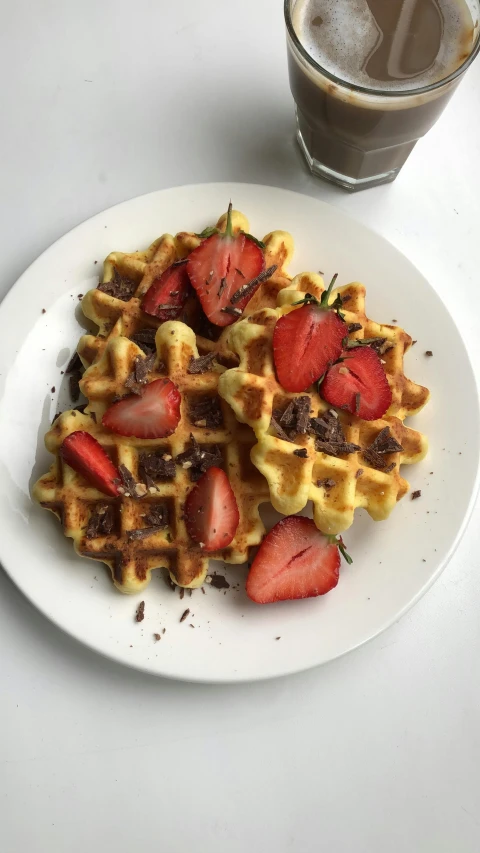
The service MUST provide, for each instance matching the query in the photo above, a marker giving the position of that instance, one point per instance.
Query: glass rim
(384, 93)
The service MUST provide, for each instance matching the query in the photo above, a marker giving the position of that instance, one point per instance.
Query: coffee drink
(370, 77)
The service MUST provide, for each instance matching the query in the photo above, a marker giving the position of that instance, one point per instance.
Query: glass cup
(359, 137)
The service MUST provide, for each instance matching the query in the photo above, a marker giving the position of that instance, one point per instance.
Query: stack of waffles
(274, 446)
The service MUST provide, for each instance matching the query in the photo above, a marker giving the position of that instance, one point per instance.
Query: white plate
(394, 561)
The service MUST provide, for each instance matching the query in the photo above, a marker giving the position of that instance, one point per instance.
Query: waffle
(138, 270)
(294, 468)
(67, 494)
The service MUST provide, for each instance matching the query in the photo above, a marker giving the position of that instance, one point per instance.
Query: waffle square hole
(205, 412)
(156, 465)
(102, 519)
(198, 458)
(158, 514)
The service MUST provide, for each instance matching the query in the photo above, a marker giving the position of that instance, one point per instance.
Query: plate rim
(233, 678)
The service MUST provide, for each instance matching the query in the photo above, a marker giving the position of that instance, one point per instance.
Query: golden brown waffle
(68, 495)
(295, 470)
(138, 270)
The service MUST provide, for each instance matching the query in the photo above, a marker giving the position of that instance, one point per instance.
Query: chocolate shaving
(141, 369)
(120, 286)
(327, 483)
(198, 460)
(416, 494)
(145, 339)
(280, 432)
(380, 345)
(429, 352)
(74, 385)
(247, 289)
(101, 521)
(354, 327)
(358, 400)
(358, 473)
(74, 365)
(201, 364)
(235, 312)
(303, 453)
(295, 418)
(223, 284)
(128, 481)
(383, 444)
(140, 614)
(329, 435)
(184, 614)
(219, 581)
(143, 532)
(206, 413)
(153, 466)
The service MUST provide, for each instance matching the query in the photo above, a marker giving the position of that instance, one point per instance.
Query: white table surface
(102, 100)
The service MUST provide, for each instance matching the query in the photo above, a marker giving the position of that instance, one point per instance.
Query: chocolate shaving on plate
(140, 614)
(74, 385)
(101, 521)
(145, 339)
(383, 444)
(416, 494)
(201, 364)
(74, 365)
(219, 581)
(184, 614)
(120, 286)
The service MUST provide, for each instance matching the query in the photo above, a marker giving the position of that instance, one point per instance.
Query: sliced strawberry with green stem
(306, 341)
(295, 560)
(357, 383)
(153, 413)
(87, 457)
(167, 294)
(211, 511)
(226, 270)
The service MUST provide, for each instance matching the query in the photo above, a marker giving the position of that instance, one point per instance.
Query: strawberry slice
(167, 295)
(153, 413)
(358, 384)
(87, 457)
(226, 270)
(211, 511)
(307, 341)
(295, 560)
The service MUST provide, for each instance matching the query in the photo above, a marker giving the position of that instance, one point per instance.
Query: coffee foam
(349, 32)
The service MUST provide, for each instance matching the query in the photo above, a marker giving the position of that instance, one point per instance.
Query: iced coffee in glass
(370, 77)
